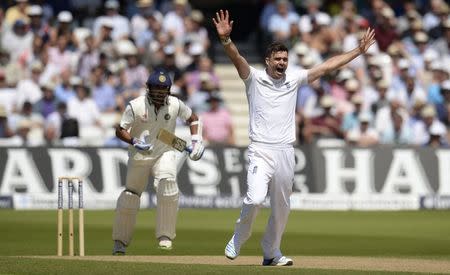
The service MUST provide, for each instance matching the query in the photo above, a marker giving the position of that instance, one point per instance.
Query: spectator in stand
(431, 18)
(193, 81)
(139, 21)
(135, 73)
(198, 101)
(440, 74)
(173, 22)
(384, 116)
(16, 12)
(385, 31)
(104, 41)
(147, 36)
(34, 120)
(425, 76)
(60, 56)
(382, 101)
(195, 32)
(421, 129)
(217, 123)
(29, 89)
(195, 52)
(48, 103)
(363, 134)
(442, 44)
(322, 37)
(439, 30)
(312, 107)
(21, 135)
(345, 106)
(412, 92)
(17, 40)
(5, 130)
(88, 59)
(83, 108)
(53, 124)
(324, 126)
(351, 119)
(103, 93)
(120, 24)
(280, 22)
(306, 24)
(64, 27)
(438, 136)
(65, 90)
(443, 109)
(398, 132)
(37, 25)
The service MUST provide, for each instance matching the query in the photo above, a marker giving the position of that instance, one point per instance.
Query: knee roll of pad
(166, 187)
(128, 201)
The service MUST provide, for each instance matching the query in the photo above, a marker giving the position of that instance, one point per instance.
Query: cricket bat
(172, 140)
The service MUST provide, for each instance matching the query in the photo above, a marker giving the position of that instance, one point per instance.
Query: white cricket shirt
(272, 105)
(143, 122)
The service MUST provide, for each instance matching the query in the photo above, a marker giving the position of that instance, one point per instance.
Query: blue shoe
(119, 248)
(283, 261)
(230, 250)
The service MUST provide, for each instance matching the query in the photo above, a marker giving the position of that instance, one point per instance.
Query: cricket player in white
(140, 124)
(272, 95)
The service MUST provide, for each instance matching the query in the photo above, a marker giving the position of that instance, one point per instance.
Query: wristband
(225, 41)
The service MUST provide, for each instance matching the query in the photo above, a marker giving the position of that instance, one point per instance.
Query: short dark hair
(275, 47)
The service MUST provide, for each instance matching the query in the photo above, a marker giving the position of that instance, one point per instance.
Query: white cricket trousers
(270, 171)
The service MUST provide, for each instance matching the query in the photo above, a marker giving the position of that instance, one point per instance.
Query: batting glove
(141, 145)
(197, 148)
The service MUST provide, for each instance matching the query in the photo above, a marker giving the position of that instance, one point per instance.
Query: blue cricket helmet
(159, 79)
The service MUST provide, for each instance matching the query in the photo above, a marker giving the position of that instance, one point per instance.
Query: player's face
(157, 95)
(277, 64)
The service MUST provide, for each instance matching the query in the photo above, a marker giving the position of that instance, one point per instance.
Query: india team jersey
(143, 122)
(272, 105)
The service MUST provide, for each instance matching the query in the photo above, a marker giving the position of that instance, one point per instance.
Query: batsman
(142, 120)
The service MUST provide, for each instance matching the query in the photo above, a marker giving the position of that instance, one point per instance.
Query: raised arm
(224, 27)
(340, 60)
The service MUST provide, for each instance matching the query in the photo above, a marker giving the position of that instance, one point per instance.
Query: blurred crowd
(66, 77)
(397, 93)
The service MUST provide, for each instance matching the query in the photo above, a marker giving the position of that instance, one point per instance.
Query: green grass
(416, 234)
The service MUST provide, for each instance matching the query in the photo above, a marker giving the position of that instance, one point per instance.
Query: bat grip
(188, 149)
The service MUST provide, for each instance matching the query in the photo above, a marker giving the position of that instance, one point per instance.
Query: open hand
(367, 40)
(223, 23)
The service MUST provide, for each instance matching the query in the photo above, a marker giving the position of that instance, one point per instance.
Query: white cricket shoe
(282, 261)
(119, 248)
(230, 250)
(165, 243)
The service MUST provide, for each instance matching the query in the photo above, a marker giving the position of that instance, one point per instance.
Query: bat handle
(188, 149)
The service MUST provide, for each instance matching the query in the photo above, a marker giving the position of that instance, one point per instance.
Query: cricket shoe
(119, 248)
(165, 243)
(230, 250)
(282, 261)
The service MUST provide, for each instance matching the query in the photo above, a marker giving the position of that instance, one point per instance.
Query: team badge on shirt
(167, 117)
